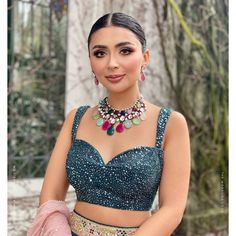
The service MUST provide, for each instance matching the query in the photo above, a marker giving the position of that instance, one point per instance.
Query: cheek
(97, 66)
(132, 65)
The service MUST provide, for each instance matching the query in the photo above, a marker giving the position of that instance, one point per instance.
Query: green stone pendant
(111, 130)
(143, 116)
(99, 122)
(96, 116)
(136, 121)
(127, 124)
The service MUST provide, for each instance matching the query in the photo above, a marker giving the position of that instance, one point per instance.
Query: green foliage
(36, 89)
(198, 83)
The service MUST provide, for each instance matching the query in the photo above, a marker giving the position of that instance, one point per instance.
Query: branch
(188, 32)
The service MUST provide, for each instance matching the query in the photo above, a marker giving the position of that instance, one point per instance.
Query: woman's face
(116, 57)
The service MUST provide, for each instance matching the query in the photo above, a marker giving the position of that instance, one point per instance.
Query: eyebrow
(117, 45)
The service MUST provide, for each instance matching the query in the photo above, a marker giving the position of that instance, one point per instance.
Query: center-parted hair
(120, 20)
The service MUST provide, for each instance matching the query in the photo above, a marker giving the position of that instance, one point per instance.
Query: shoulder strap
(164, 115)
(79, 113)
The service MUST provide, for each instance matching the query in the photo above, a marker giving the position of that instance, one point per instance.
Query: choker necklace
(106, 116)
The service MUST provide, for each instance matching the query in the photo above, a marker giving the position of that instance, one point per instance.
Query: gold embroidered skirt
(82, 226)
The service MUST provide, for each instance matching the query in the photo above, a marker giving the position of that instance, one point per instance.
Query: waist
(112, 216)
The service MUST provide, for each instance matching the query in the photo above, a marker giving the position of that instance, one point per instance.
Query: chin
(118, 90)
(119, 87)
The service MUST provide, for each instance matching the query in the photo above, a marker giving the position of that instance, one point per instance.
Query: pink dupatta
(52, 219)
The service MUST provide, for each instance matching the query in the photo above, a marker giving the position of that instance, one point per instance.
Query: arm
(55, 184)
(53, 215)
(174, 185)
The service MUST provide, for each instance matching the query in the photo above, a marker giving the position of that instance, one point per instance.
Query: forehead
(112, 35)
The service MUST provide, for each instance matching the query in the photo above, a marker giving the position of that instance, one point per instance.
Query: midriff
(112, 216)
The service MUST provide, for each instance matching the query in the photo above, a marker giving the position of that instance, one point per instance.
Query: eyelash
(129, 50)
(96, 53)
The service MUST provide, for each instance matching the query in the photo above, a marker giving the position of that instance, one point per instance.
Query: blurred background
(49, 74)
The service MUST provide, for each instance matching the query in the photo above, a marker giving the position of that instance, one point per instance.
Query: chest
(140, 167)
(129, 181)
(109, 147)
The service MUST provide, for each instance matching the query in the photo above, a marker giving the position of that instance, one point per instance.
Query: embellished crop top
(129, 181)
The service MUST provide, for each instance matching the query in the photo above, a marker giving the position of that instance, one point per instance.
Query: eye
(99, 54)
(126, 51)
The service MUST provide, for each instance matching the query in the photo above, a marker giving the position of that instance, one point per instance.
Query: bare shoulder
(176, 120)
(177, 126)
(71, 114)
(86, 117)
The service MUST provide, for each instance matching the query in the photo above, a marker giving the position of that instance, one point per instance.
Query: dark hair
(120, 20)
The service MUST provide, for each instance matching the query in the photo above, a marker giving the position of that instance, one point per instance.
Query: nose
(112, 63)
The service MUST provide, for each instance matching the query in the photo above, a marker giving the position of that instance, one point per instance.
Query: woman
(118, 153)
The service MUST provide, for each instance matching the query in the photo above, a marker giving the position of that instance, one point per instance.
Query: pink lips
(115, 78)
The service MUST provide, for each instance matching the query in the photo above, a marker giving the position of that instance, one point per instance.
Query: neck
(125, 99)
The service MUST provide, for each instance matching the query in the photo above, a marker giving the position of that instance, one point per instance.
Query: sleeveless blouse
(129, 181)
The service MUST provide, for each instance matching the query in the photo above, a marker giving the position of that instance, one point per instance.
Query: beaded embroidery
(128, 181)
(85, 227)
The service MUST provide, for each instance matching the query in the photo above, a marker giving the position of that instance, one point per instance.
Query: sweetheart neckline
(119, 154)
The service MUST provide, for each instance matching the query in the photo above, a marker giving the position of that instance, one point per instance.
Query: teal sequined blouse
(129, 181)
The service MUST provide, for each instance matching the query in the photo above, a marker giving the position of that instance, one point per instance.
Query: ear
(146, 57)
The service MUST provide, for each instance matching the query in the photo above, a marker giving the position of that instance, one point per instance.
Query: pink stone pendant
(120, 128)
(96, 81)
(142, 77)
(106, 125)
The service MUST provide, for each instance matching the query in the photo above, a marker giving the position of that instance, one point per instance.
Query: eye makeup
(124, 51)
(99, 53)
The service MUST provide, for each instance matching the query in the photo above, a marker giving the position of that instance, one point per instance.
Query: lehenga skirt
(82, 226)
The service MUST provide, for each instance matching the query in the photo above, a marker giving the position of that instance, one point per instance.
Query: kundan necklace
(106, 116)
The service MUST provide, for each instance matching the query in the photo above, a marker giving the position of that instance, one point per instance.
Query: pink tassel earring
(95, 80)
(142, 74)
